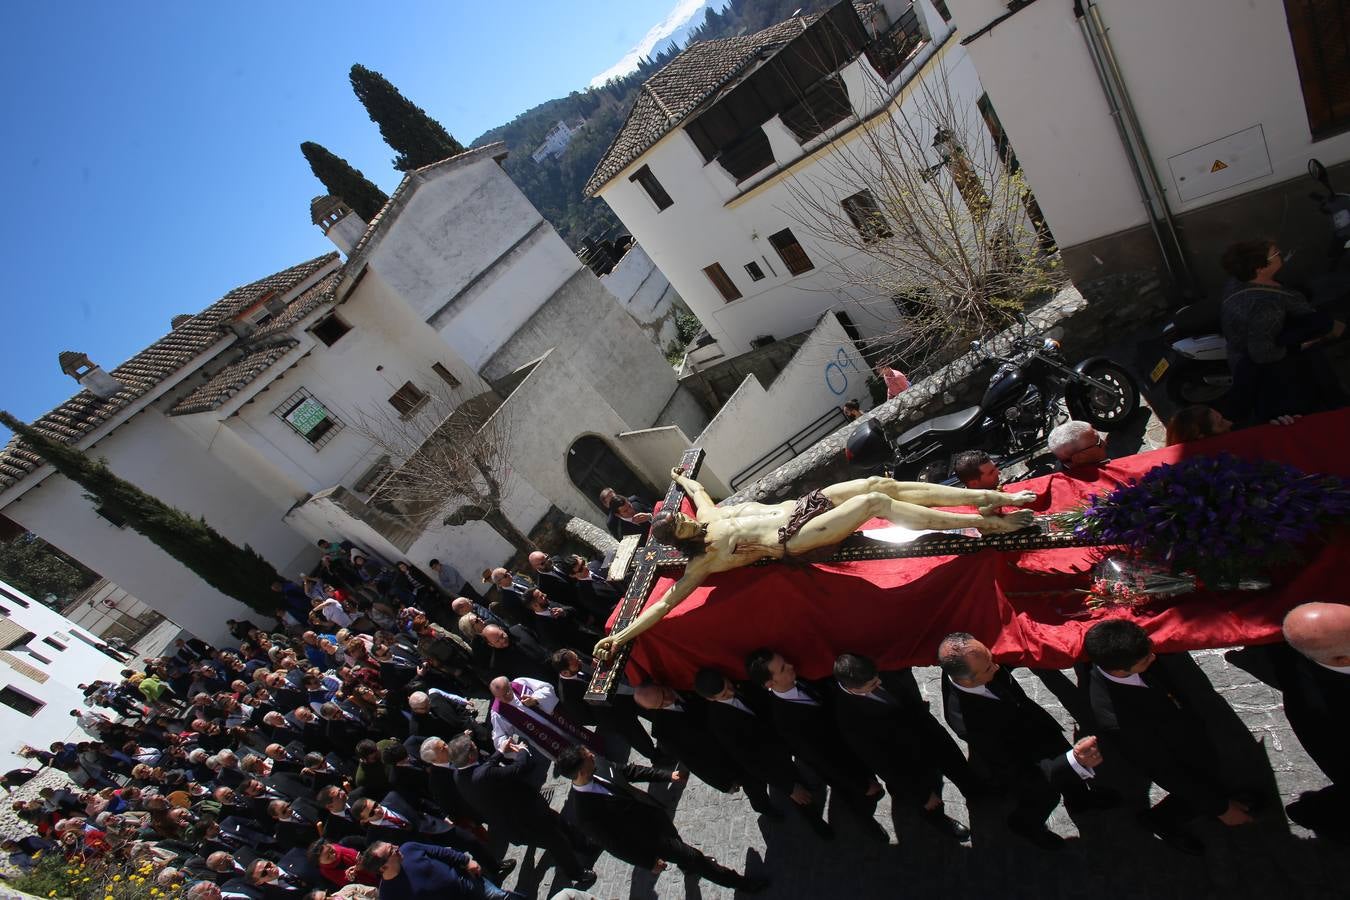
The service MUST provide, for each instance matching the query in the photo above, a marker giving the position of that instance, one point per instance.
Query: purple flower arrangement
(1219, 517)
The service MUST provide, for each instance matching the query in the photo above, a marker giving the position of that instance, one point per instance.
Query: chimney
(95, 380)
(337, 221)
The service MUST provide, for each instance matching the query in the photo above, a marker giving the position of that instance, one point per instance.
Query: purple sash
(551, 732)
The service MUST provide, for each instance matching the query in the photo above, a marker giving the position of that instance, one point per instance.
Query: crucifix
(819, 527)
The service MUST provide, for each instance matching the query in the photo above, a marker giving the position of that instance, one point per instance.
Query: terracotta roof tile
(232, 379)
(680, 87)
(81, 414)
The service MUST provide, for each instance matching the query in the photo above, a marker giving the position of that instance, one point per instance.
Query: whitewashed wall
(1197, 71)
(824, 372)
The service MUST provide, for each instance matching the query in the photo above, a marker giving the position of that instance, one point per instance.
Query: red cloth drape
(1025, 606)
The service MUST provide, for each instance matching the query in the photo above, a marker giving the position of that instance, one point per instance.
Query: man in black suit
(439, 714)
(517, 653)
(884, 724)
(296, 821)
(500, 789)
(618, 717)
(741, 725)
(1138, 704)
(1315, 681)
(593, 593)
(276, 882)
(555, 626)
(804, 721)
(1021, 742)
(435, 752)
(634, 827)
(554, 582)
(627, 515)
(679, 731)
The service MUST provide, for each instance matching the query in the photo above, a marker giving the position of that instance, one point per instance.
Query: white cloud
(659, 33)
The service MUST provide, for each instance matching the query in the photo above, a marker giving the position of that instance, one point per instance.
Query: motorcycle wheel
(1102, 409)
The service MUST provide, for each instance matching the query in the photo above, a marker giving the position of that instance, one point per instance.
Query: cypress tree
(343, 181)
(418, 139)
(234, 571)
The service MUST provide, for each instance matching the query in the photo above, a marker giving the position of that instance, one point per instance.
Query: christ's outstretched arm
(695, 572)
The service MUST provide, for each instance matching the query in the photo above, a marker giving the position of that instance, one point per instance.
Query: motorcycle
(1197, 358)
(1019, 409)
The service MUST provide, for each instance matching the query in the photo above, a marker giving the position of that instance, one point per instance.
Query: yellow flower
(51, 894)
(117, 878)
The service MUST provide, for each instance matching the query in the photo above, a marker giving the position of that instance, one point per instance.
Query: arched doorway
(593, 465)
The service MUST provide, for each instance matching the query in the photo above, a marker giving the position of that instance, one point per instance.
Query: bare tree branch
(924, 214)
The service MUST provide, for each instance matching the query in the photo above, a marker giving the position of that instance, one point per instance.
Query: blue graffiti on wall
(836, 376)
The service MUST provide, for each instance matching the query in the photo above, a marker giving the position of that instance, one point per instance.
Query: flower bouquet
(1224, 519)
(1122, 580)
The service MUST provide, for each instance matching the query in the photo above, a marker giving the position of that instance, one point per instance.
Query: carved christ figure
(721, 538)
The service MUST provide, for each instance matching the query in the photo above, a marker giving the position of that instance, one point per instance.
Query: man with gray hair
(1021, 742)
(1076, 443)
(501, 790)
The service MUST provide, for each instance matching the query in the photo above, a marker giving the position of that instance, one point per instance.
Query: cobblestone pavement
(1112, 858)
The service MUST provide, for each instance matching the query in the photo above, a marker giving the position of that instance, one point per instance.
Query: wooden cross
(652, 558)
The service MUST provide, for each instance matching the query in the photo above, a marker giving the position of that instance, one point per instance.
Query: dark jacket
(810, 732)
(750, 740)
(1013, 735)
(627, 822)
(1317, 705)
(1160, 735)
(684, 734)
(499, 789)
(430, 871)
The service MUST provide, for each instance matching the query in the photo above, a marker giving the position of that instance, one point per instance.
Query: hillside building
(556, 140)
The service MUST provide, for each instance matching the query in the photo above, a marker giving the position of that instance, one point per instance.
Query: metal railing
(789, 449)
(893, 47)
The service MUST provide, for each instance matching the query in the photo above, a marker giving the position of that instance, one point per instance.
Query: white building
(556, 140)
(45, 656)
(244, 413)
(705, 169)
(1223, 102)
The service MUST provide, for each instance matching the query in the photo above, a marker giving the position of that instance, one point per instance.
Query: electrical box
(1220, 164)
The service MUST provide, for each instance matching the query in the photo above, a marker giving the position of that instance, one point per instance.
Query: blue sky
(152, 150)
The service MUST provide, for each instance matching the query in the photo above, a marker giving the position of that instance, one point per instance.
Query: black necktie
(807, 693)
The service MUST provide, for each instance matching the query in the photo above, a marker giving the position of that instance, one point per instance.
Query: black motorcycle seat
(956, 421)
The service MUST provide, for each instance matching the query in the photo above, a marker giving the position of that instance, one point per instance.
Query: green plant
(418, 139)
(98, 878)
(235, 571)
(343, 181)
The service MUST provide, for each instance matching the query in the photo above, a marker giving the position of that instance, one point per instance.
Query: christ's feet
(1016, 521)
(1021, 498)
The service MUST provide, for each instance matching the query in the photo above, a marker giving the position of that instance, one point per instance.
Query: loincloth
(807, 508)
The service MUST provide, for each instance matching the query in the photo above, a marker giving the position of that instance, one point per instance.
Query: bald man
(1316, 686)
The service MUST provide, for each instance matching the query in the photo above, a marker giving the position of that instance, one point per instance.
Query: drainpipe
(1146, 179)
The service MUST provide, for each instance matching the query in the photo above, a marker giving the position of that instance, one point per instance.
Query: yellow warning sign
(1219, 166)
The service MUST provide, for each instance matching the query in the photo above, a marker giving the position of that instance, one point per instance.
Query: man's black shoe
(506, 868)
(753, 884)
(1174, 837)
(1039, 835)
(824, 830)
(944, 823)
(584, 880)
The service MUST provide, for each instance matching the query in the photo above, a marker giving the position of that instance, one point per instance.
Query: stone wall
(1085, 321)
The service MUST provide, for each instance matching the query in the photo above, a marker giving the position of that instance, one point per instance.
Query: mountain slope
(554, 186)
